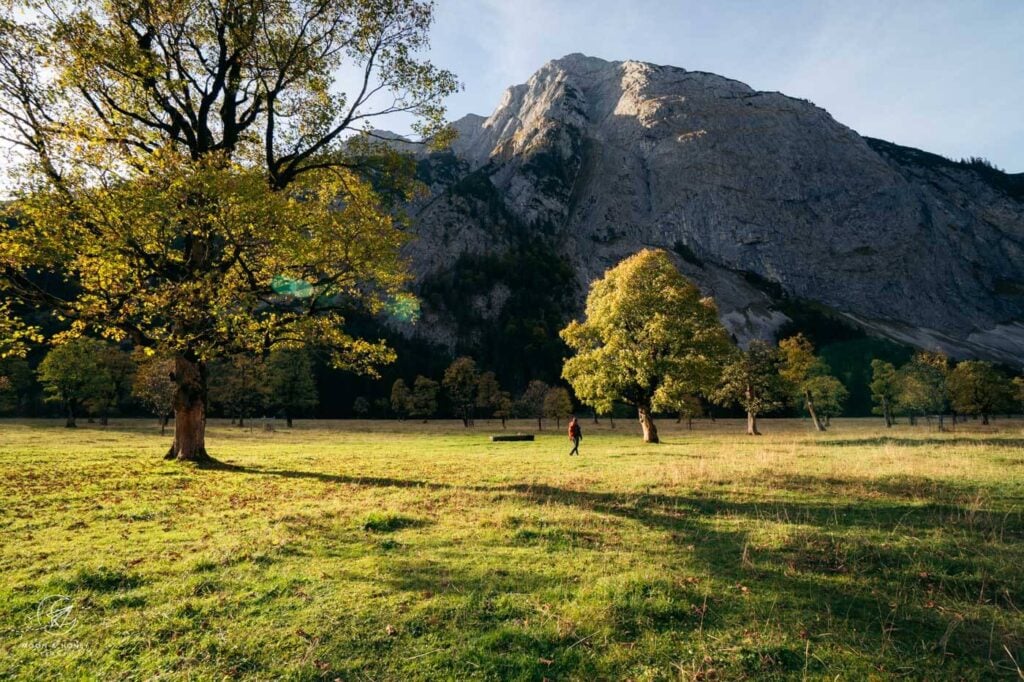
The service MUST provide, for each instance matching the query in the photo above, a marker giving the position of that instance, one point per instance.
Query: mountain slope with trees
(767, 202)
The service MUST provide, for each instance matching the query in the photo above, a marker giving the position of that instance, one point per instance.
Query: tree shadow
(865, 587)
(375, 481)
(667, 511)
(830, 569)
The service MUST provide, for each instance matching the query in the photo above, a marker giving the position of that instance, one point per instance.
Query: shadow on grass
(375, 481)
(867, 506)
(830, 573)
(876, 590)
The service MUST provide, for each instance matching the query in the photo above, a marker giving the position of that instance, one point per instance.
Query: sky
(944, 76)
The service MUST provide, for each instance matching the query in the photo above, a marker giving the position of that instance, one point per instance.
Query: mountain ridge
(761, 196)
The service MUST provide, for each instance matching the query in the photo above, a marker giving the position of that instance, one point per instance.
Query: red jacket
(574, 431)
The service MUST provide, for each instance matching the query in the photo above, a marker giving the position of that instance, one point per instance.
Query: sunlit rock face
(762, 196)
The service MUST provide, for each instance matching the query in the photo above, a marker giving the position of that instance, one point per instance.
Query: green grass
(398, 551)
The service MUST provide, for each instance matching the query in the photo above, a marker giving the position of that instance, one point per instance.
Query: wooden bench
(511, 437)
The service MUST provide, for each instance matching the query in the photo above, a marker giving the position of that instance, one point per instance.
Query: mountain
(770, 205)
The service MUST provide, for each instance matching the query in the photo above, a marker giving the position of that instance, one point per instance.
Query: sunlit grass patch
(400, 551)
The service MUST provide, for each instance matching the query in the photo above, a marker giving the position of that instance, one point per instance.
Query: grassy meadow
(408, 551)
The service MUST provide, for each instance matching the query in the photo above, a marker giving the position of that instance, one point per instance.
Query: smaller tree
(69, 375)
(113, 380)
(504, 406)
(238, 386)
(883, 389)
(803, 372)
(557, 405)
(829, 396)
(688, 407)
(487, 391)
(152, 386)
(460, 383)
(531, 402)
(921, 387)
(361, 407)
(401, 399)
(1018, 392)
(291, 385)
(679, 399)
(979, 389)
(424, 398)
(752, 381)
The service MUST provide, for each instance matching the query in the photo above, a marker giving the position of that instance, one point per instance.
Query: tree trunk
(189, 411)
(539, 426)
(942, 425)
(886, 412)
(595, 417)
(752, 424)
(647, 424)
(288, 420)
(163, 423)
(104, 419)
(984, 419)
(69, 421)
(818, 426)
(689, 423)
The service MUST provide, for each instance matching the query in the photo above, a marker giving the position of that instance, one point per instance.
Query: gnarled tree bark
(752, 424)
(647, 424)
(189, 377)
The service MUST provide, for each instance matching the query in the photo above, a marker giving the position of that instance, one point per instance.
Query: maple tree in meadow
(189, 169)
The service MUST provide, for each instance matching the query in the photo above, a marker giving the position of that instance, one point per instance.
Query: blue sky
(947, 77)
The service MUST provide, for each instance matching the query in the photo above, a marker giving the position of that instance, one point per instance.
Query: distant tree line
(930, 386)
(650, 342)
(471, 394)
(96, 379)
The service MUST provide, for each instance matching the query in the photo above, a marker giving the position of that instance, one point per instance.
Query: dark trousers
(575, 447)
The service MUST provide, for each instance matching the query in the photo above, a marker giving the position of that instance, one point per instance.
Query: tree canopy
(291, 386)
(189, 168)
(921, 385)
(752, 381)
(883, 388)
(423, 402)
(978, 388)
(70, 375)
(808, 380)
(460, 384)
(647, 337)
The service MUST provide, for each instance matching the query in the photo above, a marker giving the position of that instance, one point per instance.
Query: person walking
(575, 435)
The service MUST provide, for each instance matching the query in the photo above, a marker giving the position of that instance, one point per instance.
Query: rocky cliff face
(763, 197)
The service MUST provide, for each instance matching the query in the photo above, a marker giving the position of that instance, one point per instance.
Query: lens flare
(287, 286)
(404, 308)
